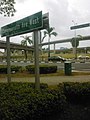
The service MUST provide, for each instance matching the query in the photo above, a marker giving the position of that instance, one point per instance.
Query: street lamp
(75, 51)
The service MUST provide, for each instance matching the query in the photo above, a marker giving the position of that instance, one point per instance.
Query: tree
(25, 41)
(49, 32)
(75, 44)
(7, 7)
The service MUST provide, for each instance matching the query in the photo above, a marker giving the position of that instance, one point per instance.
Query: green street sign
(80, 26)
(25, 25)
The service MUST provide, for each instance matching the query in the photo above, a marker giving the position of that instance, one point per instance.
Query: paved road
(75, 66)
(52, 80)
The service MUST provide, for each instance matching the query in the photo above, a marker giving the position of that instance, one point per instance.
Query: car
(83, 57)
(56, 58)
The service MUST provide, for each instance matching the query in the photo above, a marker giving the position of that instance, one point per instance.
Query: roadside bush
(19, 101)
(43, 69)
(77, 92)
(15, 68)
(3, 68)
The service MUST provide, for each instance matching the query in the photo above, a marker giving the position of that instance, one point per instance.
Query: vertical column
(8, 60)
(36, 56)
(54, 48)
(75, 47)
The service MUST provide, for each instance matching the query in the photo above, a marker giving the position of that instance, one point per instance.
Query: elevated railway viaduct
(20, 47)
(31, 48)
(66, 40)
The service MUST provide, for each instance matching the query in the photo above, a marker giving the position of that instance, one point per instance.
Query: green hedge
(43, 69)
(19, 101)
(3, 68)
(77, 92)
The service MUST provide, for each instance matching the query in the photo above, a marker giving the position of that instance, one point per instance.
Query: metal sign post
(8, 60)
(78, 27)
(36, 56)
(32, 23)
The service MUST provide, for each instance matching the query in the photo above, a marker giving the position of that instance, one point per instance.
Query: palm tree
(75, 44)
(25, 41)
(49, 32)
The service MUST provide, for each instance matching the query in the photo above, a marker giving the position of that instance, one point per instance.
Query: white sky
(61, 14)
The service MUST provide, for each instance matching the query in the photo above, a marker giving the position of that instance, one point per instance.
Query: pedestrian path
(52, 80)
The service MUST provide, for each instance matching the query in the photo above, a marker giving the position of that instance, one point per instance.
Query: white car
(83, 57)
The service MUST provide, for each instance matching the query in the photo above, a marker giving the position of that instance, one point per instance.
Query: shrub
(77, 92)
(44, 69)
(3, 68)
(19, 101)
(15, 68)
